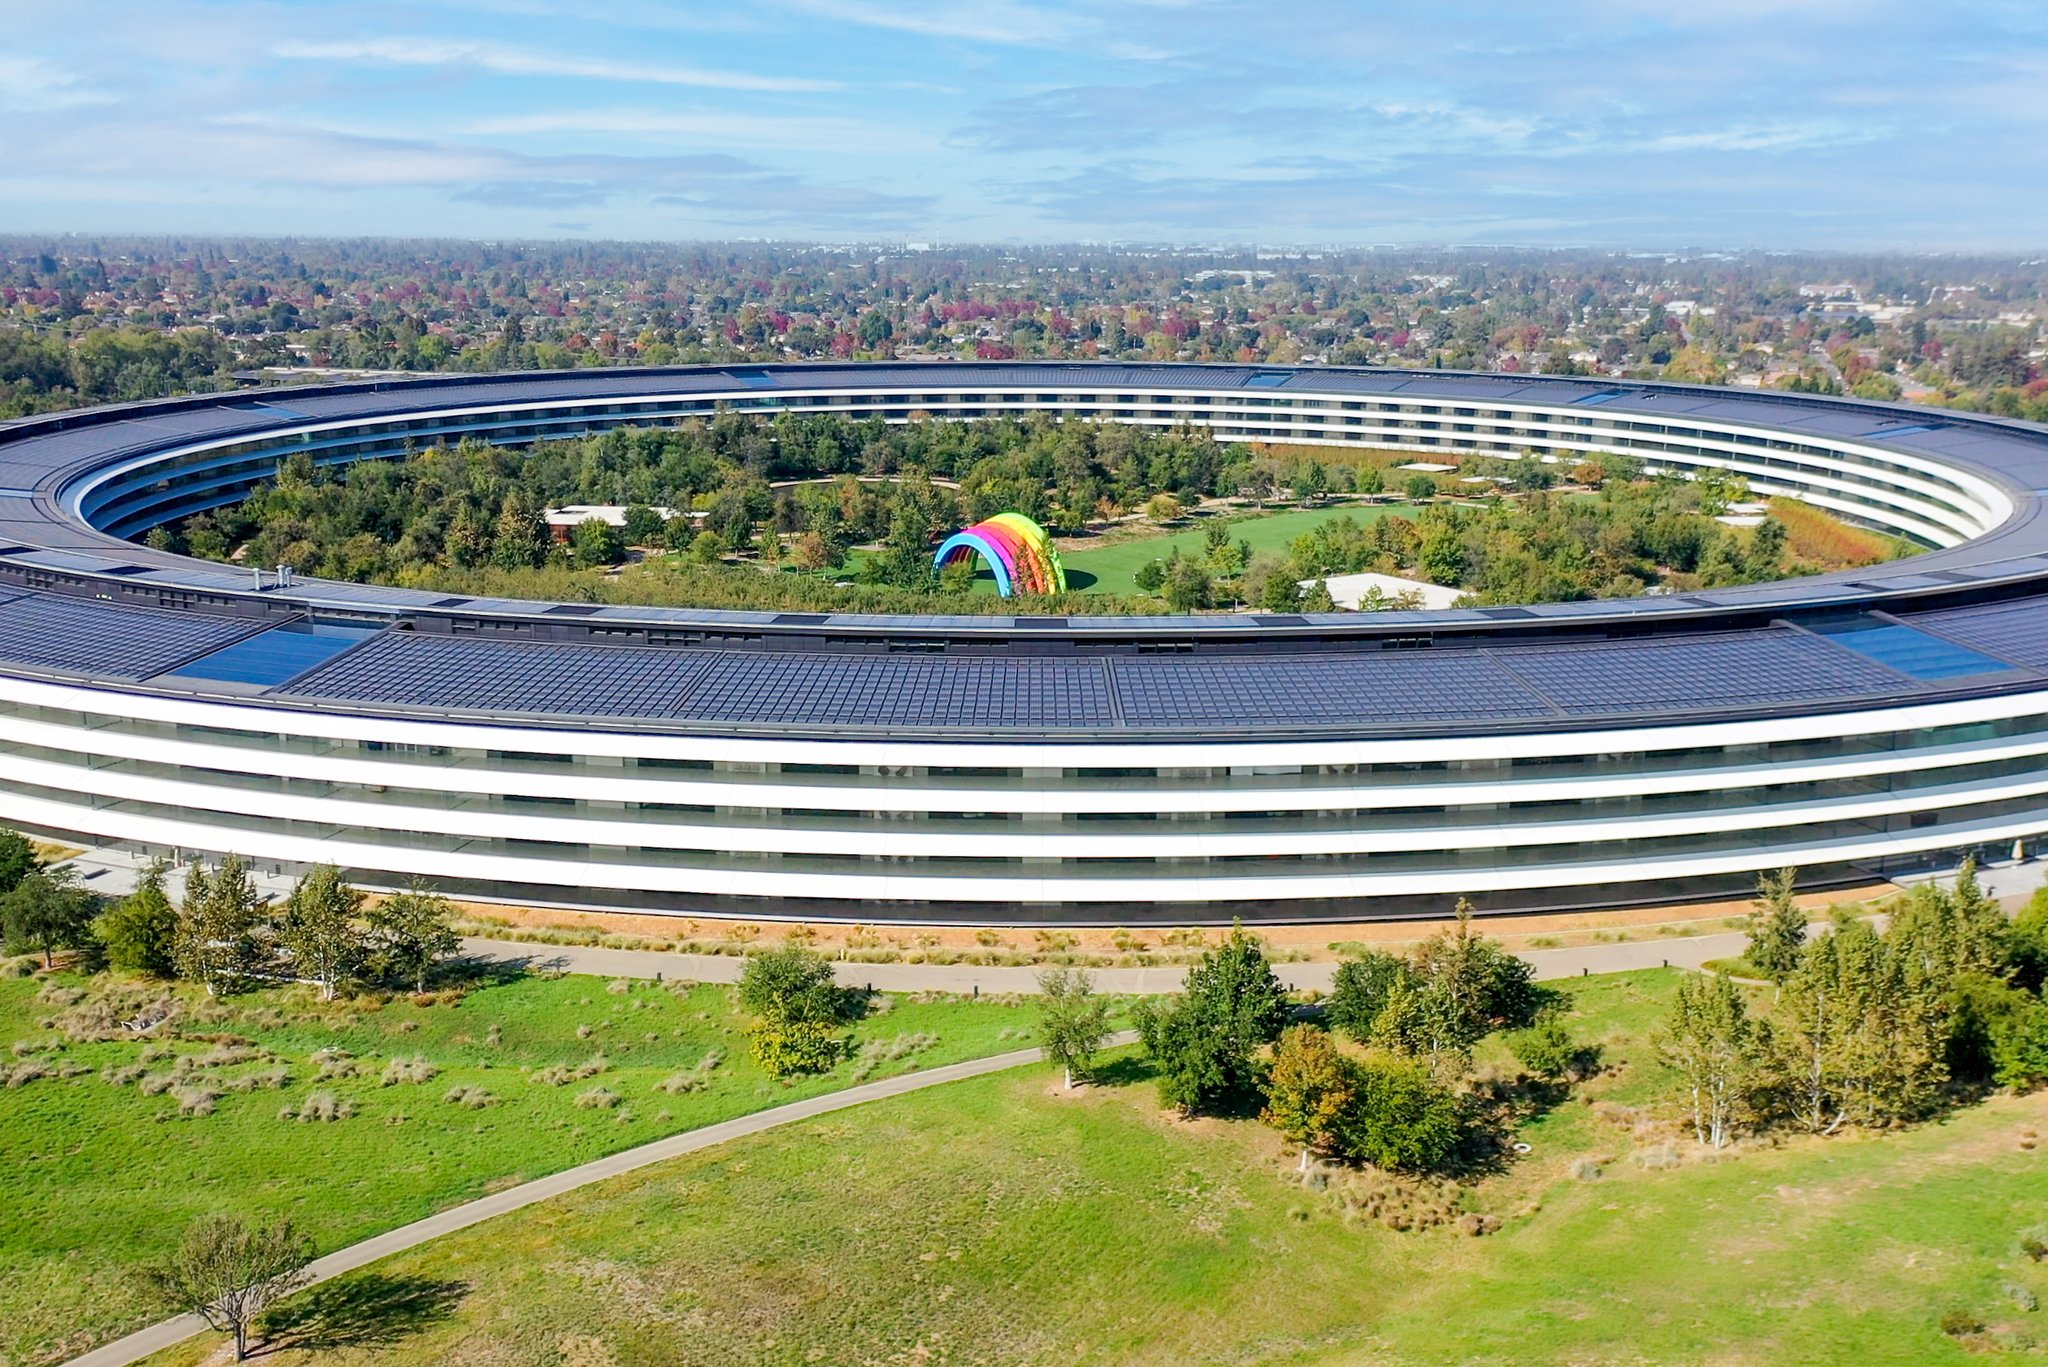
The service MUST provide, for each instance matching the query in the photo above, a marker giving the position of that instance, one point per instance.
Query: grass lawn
(1110, 569)
(99, 1176)
(999, 1222)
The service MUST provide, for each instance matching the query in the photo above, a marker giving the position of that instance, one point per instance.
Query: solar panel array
(1688, 673)
(85, 636)
(2012, 631)
(781, 688)
(1321, 689)
(405, 668)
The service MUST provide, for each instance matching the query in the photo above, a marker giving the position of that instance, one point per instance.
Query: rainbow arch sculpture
(1015, 547)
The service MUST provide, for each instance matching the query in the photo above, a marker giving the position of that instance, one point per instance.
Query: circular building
(1018, 769)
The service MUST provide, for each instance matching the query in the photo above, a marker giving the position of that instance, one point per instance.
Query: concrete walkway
(158, 1337)
(1674, 952)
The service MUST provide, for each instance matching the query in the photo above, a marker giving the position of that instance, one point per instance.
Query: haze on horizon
(1792, 124)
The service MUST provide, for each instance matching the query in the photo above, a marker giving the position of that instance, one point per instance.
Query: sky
(1790, 124)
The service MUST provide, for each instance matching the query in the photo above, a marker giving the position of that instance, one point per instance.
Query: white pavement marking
(158, 1337)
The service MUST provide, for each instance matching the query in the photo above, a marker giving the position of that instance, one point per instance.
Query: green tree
(1714, 1047)
(17, 859)
(1206, 1041)
(1546, 1048)
(218, 923)
(1188, 587)
(321, 928)
(1316, 597)
(1072, 1021)
(140, 931)
(797, 1008)
(1420, 488)
(48, 911)
(2019, 1048)
(597, 543)
(228, 1273)
(1308, 1089)
(1777, 927)
(1371, 482)
(643, 527)
(407, 933)
(1358, 993)
(1150, 577)
(1399, 1117)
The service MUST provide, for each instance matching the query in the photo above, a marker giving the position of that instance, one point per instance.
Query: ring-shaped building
(1029, 769)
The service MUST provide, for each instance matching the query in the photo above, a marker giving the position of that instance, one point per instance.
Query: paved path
(158, 1337)
(1676, 952)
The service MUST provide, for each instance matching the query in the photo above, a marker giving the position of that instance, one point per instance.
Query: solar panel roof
(403, 667)
(85, 636)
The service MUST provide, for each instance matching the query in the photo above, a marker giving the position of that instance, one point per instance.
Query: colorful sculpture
(1015, 547)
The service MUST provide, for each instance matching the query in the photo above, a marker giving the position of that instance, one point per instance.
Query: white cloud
(758, 130)
(32, 83)
(511, 61)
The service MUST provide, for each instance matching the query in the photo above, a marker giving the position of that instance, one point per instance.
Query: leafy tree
(1150, 577)
(407, 933)
(643, 527)
(1072, 1021)
(1865, 1030)
(1420, 488)
(2019, 1048)
(48, 911)
(321, 928)
(228, 1273)
(1188, 587)
(1371, 482)
(798, 1010)
(1359, 991)
(1399, 1116)
(597, 542)
(1715, 1048)
(1316, 597)
(17, 859)
(1308, 1089)
(1206, 1041)
(1947, 932)
(1163, 508)
(140, 931)
(1777, 927)
(217, 942)
(1546, 1048)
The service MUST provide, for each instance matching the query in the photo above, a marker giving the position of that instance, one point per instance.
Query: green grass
(99, 1176)
(997, 1222)
(1111, 569)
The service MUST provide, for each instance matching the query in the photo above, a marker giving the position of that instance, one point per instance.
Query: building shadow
(370, 1311)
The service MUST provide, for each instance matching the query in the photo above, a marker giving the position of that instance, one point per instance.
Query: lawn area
(997, 1221)
(1110, 569)
(100, 1175)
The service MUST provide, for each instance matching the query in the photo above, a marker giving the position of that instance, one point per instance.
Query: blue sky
(1718, 123)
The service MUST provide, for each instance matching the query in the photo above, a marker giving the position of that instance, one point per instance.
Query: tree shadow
(369, 1311)
(468, 970)
(1080, 580)
(1126, 1070)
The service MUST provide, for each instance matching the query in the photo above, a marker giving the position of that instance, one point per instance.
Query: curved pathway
(158, 1337)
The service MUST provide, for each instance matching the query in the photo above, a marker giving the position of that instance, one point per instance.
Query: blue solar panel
(275, 656)
(779, 688)
(1381, 686)
(86, 636)
(1913, 653)
(1684, 673)
(2012, 631)
(403, 667)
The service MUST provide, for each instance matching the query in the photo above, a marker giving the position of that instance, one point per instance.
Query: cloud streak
(511, 61)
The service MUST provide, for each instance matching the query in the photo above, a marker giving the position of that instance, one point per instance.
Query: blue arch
(971, 540)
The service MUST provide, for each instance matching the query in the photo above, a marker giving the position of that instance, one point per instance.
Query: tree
(1308, 1089)
(1546, 1048)
(1359, 991)
(408, 933)
(48, 911)
(228, 1273)
(1072, 1021)
(1399, 1116)
(1713, 1045)
(643, 526)
(1420, 488)
(597, 542)
(1316, 597)
(1206, 1041)
(321, 929)
(217, 927)
(17, 859)
(1371, 482)
(1163, 508)
(798, 1009)
(1188, 587)
(140, 931)
(1777, 927)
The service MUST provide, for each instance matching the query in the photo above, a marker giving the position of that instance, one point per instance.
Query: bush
(561, 1075)
(274, 1078)
(470, 1098)
(1546, 1049)
(1400, 1117)
(1960, 1324)
(414, 1070)
(196, 1098)
(795, 1046)
(21, 1074)
(597, 1099)
(320, 1108)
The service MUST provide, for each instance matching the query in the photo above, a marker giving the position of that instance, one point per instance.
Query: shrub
(597, 1099)
(562, 1075)
(196, 1098)
(1546, 1049)
(228, 1055)
(2034, 1248)
(471, 1098)
(123, 1074)
(1960, 1324)
(21, 1074)
(156, 1084)
(320, 1108)
(875, 1053)
(2022, 1297)
(1399, 1116)
(414, 1070)
(273, 1078)
(1586, 1169)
